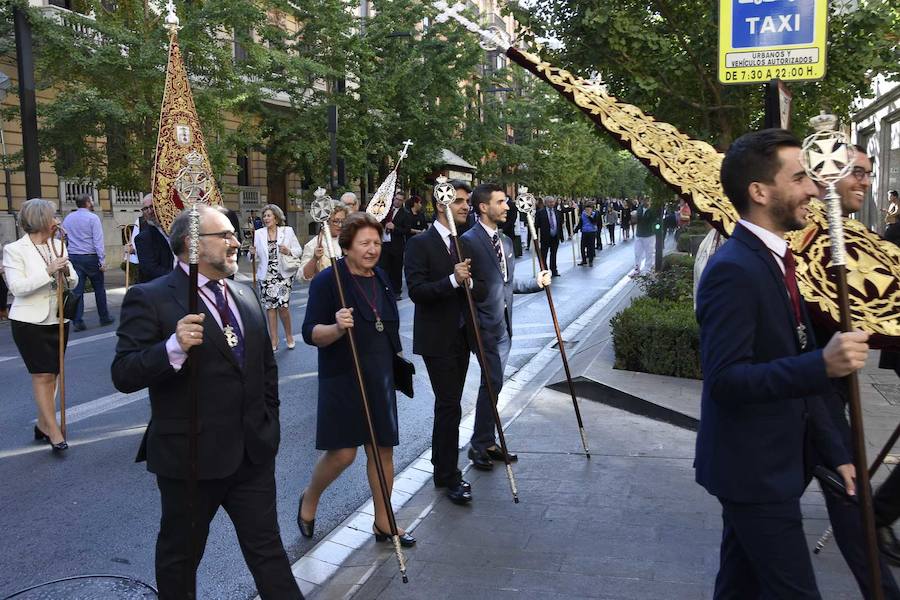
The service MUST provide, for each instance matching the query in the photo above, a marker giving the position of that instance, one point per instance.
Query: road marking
(6, 358)
(72, 443)
(92, 338)
(533, 336)
(98, 406)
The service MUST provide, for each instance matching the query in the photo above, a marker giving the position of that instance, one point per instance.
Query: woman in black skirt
(340, 422)
(31, 266)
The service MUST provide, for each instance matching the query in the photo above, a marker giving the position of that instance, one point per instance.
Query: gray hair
(36, 215)
(351, 196)
(181, 227)
(81, 200)
(276, 212)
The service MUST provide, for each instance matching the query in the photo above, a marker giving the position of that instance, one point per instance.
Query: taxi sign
(761, 40)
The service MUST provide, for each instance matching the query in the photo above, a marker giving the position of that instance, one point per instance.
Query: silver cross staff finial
(406, 145)
(171, 22)
(322, 206)
(526, 202)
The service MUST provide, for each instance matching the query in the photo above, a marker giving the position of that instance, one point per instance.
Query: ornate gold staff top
(383, 199)
(692, 167)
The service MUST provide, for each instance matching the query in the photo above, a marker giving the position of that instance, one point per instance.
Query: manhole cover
(890, 391)
(92, 587)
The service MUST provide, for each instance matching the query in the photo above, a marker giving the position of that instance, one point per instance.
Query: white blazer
(28, 281)
(284, 235)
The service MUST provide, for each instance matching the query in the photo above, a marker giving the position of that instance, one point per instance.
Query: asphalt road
(96, 511)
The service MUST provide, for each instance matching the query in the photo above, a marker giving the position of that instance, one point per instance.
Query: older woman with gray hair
(275, 244)
(33, 265)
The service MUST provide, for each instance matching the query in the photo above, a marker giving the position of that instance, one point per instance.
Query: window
(243, 174)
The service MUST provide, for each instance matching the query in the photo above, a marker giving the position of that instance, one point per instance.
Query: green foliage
(663, 57)
(658, 336)
(674, 283)
(677, 259)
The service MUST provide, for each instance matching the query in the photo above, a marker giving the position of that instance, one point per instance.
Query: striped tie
(498, 250)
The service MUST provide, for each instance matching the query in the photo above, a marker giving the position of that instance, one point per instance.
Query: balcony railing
(72, 20)
(125, 200)
(69, 189)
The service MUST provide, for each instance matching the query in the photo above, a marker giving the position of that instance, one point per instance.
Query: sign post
(770, 42)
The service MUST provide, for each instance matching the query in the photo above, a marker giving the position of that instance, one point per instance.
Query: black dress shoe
(109, 321)
(459, 494)
(307, 528)
(406, 540)
(480, 460)
(888, 544)
(40, 436)
(59, 448)
(497, 454)
(78, 325)
(459, 482)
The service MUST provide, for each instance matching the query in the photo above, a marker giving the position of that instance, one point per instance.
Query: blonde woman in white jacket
(30, 265)
(271, 245)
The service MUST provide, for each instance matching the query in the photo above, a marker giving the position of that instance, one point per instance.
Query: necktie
(229, 321)
(454, 255)
(498, 250)
(552, 214)
(790, 281)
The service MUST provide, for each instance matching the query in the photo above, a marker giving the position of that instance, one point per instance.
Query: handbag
(288, 263)
(403, 375)
(70, 303)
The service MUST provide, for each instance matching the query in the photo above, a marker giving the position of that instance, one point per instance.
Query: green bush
(672, 284)
(677, 259)
(657, 336)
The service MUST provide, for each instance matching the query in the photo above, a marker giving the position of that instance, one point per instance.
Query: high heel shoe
(58, 448)
(291, 345)
(40, 436)
(406, 540)
(307, 528)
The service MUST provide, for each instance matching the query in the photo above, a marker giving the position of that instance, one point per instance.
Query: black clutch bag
(403, 375)
(833, 480)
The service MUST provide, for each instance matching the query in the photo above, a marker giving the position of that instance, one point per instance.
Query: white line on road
(80, 442)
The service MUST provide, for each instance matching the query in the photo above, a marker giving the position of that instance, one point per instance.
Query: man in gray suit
(494, 283)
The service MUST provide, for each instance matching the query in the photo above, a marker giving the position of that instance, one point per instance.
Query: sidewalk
(628, 523)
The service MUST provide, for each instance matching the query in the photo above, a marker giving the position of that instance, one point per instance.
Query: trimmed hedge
(658, 336)
(673, 284)
(676, 259)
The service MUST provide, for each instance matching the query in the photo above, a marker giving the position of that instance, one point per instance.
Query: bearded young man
(761, 410)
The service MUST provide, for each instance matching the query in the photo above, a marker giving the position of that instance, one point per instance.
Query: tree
(662, 56)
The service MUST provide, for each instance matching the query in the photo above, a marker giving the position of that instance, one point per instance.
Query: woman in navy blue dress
(340, 423)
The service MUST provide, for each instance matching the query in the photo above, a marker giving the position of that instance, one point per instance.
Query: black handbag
(70, 303)
(403, 375)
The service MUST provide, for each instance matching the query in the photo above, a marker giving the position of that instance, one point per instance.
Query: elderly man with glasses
(152, 245)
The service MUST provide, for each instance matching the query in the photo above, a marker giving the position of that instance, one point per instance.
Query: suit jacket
(154, 254)
(26, 276)
(439, 305)
(542, 220)
(238, 404)
(760, 409)
(493, 298)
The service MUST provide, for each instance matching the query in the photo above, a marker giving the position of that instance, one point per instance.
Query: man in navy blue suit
(761, 412)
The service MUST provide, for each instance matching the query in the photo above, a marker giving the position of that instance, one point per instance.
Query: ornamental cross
(403, 153)
(828, 158)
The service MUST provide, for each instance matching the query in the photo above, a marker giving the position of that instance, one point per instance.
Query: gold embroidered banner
(691, 168)
(181, 171)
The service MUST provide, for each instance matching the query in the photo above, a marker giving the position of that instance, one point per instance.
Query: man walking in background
(644, 246)
(88, 255)
(549, 224)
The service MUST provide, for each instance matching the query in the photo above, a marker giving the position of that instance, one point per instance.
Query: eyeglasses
(143, 208)
(337, 222)
(225, 235)
(859, 173)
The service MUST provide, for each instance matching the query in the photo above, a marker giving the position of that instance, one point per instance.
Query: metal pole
(27, 104)
(194, 406)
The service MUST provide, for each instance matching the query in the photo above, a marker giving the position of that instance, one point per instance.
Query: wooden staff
(60, 310)
(253, 267)
(525, 205)
(873, 468)
(827, 159)
(194, 406)
(323, 212)
(445, 197)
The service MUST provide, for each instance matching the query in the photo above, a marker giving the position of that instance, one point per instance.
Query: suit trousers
(848, 533)
(392, 262)
(448, 378)
(248, 496)
(88, 267)
(764, 553)
(887, 500)
(496, 353)
(550, 247)
(588, 246)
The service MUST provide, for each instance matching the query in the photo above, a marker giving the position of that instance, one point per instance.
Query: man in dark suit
(238, 425)
(392, 245)
(494, 283)
(761, 409)
(152, 247)
(549, 221)
(435, 276)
